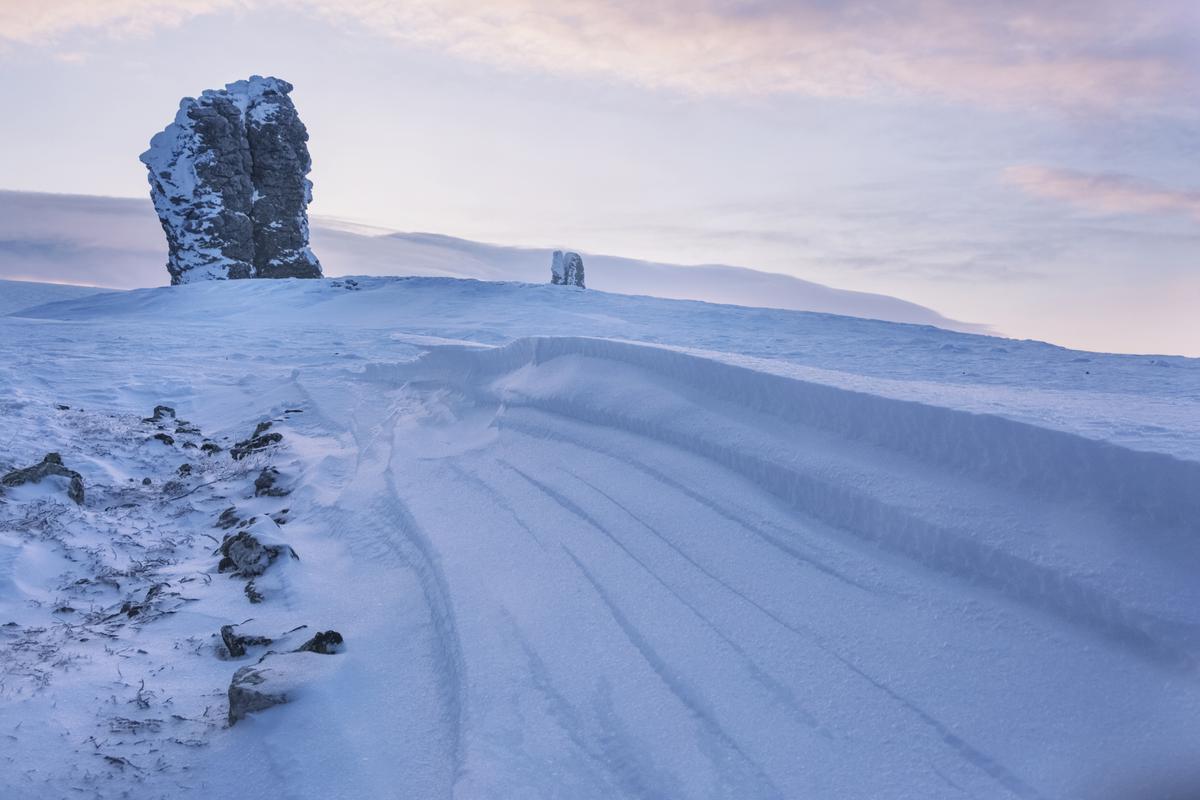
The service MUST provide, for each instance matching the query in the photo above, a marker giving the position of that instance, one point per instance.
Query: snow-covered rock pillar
(227, 178)
(567, 269)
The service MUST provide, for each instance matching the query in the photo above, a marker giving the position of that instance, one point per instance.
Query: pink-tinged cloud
(1066, 53)
(1104, 193)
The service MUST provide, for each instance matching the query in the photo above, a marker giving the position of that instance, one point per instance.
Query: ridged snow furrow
(1145, 488)
(1141, 494)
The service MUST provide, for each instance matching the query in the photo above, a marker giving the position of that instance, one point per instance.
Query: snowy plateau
(587, 545)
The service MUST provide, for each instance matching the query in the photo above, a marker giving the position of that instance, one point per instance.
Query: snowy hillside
(118, 242)
(17, 295)
(588, 545)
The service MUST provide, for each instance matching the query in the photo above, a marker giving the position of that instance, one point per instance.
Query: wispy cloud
(1105, 193)
(1074, 53)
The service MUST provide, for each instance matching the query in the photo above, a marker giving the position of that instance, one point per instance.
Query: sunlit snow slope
(591, 546)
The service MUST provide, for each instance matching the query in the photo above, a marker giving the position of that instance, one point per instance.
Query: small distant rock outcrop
(567, 269)
(51, 465)
(227, 178)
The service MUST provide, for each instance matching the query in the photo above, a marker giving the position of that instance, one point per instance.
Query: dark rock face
(567, 269)
(52, 464)
(228, 182)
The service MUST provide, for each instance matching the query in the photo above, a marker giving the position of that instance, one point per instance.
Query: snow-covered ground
(590, 545)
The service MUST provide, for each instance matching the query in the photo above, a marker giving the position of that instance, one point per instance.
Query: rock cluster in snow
(227, 178)
(50, 466)
(567, 269)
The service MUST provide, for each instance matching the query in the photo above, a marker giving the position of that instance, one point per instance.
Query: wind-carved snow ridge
(819, 448)
(227, 178)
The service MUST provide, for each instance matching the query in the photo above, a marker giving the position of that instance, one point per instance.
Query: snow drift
(597, 546)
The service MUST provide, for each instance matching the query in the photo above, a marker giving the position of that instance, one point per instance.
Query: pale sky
(1030, 165)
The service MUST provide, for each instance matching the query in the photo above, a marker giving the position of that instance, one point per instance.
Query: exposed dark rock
(236, 644)
(252, 593)
(566, 269)
(210, 448)
(251, 690)
(51, 465)
(185, 427)
(228, 182)
(189, 445)
(61, 407)
(184, 470)
(228, 518)
(277, 678)
(248, 446)
(325, 643)
(267, 484)
(261, 428)
(246, 556)
(146, 481)
(160, 413)
(164, 438)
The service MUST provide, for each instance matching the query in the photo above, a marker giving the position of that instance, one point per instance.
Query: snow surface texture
(16, 295)
(592, 546)
(115, 242)
(227, 179)
(566, 269)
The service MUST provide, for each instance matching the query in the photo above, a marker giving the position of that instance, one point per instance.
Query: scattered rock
(267, 484)
(566, 269)
(184, 469)
(227, 178)
(246, 556)
(185, 427)
(228, 518)
(210, 448)
(248, 446)
(52, 465)
(276, 679)
(160, 413)
(236, 644)
(61, 407)
(165, 438)
(325, 643)
(252, 593)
